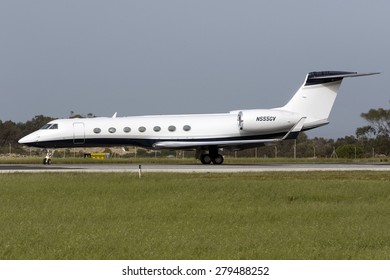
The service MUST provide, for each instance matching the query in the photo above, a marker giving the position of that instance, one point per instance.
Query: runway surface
(225, 168)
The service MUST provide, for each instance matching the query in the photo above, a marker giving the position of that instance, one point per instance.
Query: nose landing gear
(47, 159)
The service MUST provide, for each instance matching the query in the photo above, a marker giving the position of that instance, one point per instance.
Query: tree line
(368, 141)
(11, 132)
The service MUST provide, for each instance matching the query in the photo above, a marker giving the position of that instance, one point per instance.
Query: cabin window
(97, 130)
(142, 129)
(156, 128)
(127, 129)
(171, 128)
(112, 129)
(186, 128)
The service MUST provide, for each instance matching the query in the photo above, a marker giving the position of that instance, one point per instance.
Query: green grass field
(305, 215)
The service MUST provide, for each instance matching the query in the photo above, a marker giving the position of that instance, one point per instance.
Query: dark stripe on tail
(323, 77)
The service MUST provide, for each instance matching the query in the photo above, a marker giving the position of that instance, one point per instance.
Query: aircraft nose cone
(29, 139)
(23, 140)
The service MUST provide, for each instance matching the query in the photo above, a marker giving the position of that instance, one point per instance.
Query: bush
(349, 151)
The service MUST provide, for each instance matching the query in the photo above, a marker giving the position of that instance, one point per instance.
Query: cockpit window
(50, 126)
(46, 126)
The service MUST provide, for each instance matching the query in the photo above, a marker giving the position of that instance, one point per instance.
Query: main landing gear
(47, 159)
(213, 156)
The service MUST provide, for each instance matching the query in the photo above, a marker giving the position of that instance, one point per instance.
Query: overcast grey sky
(167, 57)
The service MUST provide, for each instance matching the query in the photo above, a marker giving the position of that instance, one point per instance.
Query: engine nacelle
(266, 120)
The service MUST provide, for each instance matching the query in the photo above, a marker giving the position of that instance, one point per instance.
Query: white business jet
(208, 134)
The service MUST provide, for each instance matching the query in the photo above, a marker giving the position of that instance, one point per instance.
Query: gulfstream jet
(208, 134)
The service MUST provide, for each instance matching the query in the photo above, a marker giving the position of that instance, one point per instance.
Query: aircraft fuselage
(146, 131)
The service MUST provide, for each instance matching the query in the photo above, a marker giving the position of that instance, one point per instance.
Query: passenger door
(78, 133)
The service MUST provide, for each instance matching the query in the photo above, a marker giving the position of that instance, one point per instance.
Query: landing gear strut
(213, 156)
(47, 159)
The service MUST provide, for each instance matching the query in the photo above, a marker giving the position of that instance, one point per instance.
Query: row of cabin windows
(171, 128)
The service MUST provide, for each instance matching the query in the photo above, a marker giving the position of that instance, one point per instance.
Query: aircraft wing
(195, 144)
(291, 134)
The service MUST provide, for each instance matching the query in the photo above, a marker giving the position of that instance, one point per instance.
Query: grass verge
(313, 215)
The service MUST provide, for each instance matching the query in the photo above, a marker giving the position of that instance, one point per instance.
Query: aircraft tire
(218, 159)
(205, 159)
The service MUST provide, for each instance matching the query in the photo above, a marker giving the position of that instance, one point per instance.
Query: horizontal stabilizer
(323, 77)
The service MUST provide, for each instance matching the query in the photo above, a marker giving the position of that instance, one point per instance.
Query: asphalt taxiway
(193, 168)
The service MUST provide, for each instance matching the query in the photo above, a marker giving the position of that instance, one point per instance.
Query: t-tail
(314, 99)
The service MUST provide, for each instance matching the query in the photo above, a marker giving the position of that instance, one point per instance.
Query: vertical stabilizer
(316, 96)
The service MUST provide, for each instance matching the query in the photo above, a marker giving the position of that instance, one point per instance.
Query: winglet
(114, 116)
(294, 131)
